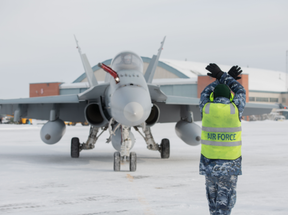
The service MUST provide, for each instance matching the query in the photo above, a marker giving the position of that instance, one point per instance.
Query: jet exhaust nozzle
(190, 133)
(52, 131)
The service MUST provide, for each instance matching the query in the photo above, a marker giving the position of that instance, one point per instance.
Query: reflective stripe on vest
(221, 131)
(214, 143)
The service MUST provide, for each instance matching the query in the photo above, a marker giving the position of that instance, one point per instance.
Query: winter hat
(222, 90)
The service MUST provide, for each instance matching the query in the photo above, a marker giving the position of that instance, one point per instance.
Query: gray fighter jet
(127, 100)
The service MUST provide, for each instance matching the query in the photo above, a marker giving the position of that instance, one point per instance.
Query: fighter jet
(126, 101)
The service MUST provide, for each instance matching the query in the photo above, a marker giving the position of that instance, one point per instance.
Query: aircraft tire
(165, 148)
(117, 161)
(133, 162)
(75, 147)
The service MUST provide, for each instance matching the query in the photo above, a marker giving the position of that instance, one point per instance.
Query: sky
(37, 43)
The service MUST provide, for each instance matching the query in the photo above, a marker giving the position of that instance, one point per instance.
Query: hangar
(187, 79)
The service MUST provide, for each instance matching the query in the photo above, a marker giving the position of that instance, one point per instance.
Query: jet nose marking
(133, 111)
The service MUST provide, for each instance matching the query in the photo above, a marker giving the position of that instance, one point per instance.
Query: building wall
(99, 74)
(72, 91)
(268, 97)
(284, 97)
(204, 81)
(265, 97)
(160, 72)
(44, 89)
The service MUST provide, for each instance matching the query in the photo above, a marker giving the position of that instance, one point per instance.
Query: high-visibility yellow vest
(221, 131)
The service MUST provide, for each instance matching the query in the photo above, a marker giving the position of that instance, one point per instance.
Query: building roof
(259, 79)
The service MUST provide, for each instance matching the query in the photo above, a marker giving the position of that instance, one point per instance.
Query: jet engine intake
(53, 131)
(154, 116)
(94, 115)
(190, 133)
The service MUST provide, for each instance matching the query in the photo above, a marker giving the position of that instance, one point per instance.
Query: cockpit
(127, 61)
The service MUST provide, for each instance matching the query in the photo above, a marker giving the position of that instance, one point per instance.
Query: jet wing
(69, 107)
(258, 109)
(170, 106)
(42, 100)
(93, 92)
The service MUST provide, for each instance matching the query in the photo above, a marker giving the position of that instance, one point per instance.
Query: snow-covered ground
(42, 179)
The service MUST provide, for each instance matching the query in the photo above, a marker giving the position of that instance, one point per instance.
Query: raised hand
(216, 72)
(235, 71)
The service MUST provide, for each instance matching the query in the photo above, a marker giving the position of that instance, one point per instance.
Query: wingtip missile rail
(110, 71)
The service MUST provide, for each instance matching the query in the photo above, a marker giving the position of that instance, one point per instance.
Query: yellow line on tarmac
(130, 177)
(141, 199)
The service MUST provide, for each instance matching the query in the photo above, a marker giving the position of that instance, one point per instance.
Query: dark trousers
(221, 193)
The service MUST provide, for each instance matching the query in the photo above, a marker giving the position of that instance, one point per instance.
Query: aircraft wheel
(75, 147)
(117, 161)
(133, 161)
(165, 148)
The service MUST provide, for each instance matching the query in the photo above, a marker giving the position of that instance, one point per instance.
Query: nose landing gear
(132, 161)
(124, 155)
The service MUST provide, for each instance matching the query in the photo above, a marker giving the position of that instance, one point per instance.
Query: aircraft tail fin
(153, 64)
(88, 70)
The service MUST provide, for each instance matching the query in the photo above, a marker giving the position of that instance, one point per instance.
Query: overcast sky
(37, 43)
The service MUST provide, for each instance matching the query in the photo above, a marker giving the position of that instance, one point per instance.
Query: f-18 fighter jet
(126, 101)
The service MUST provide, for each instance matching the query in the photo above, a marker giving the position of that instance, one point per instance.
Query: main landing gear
(163, 148)
(77, 147)
(125, 144)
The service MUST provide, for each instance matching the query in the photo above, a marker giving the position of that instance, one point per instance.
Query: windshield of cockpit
(127, 61)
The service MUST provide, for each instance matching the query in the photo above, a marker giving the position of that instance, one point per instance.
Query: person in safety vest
(221, 141)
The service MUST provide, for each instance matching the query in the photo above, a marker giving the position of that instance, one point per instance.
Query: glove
(216, 72)
(235, 71)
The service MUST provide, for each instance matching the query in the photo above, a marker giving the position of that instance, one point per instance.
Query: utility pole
(287, 70)
(286, 98)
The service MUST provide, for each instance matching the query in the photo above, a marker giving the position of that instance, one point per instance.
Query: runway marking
(140, 197)
(130, 177)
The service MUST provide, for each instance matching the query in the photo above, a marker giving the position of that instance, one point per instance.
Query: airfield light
(110, 71)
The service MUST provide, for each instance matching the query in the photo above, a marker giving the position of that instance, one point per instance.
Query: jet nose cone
(130, 105)
(133, 111)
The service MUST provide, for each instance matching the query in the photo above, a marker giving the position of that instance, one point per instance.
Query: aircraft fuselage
(128, 101)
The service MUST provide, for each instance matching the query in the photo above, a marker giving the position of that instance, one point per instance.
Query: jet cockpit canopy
(127, 61)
